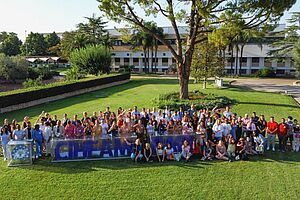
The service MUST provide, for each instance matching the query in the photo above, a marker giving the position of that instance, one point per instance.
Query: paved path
(271, 85)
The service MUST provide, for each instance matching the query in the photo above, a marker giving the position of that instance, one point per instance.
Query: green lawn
(273, 176)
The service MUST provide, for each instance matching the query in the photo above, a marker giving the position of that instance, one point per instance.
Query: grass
(273, 176)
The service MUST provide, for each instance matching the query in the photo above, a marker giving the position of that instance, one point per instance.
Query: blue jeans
(271, 138)
(38, 148)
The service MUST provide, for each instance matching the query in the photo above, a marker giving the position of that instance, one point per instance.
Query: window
(164, 54)
(280, 71)
(117, 60)
(127, 54)
(243, 71)
(255, 60)
(165, 61)
(135, 60)
(126, 60)
(153, 60)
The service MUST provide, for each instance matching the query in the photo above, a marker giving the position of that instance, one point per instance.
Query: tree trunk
(148, 60)
(145, 60)
(184, 87)
(204, 82)
(231, 60)
(236, 59)
(241, 59)
(152, 49)
(155, 56)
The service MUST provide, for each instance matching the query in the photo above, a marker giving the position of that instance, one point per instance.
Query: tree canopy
(10, 44)
(201, 17)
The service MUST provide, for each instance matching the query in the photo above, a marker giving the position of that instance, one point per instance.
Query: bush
(266, 72)
(44, 72)
(13, 68)
(199, 99)
(91, 60)
(33, 82)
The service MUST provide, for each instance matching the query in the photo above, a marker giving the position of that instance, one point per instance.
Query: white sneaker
(268, 148)
(273, 149)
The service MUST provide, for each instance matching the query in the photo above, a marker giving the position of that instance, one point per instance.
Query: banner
(110, 148)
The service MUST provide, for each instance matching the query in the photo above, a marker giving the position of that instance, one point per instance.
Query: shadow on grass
(290, 158)
(268, 104)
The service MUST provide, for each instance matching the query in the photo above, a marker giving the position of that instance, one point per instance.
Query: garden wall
(26, 99)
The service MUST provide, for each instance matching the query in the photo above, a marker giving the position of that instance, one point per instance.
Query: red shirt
(272, 126)
(282, 129)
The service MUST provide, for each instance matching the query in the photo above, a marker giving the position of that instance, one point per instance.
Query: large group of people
(220, 134)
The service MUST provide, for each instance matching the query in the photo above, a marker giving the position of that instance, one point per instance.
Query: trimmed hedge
(24, 97)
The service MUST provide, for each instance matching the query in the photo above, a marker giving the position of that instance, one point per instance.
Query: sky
(46, 16)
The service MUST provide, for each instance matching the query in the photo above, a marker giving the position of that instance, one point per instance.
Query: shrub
(44, 72)
(91, 59)
(199, 99)
(266, 72)
(13, 68)
(33, 82)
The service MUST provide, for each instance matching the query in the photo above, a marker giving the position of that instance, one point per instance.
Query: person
(160, 152)
(79, 130)
(262, 125)
(245, 121)
(282, 135)
(296, 135)
(47, 133)
(227, 112)
(5, 137)
(148, 152)
(69, 130)
(207, 151)
(113, 130)
(97, 130)
(241, 150)
(178, 128)
(221, 151)
(88, 130)
(169, 152)
(186, 151)
(136, 152)
(218, 129)
(28, 130)
(58, 130)
(272, 128)
(65, 119)
(170, 127)
(260, 142)
(18, 133)
(37, 137)
(249, 147)
(124, 130)
(254, 118)
(290, 132)
(150, 128)
(105, 128)
(231, 149)
(250, 128)
(197, 148)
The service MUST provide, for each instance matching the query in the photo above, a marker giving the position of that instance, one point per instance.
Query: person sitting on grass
(197, 148)
(169, 152)
(259, 142)
(160, 152)
(249, 147)
(231, 149)
(148, 153)
(207, 152)
(186, 151)
(221, 151)
(136, 150)
(241, 150)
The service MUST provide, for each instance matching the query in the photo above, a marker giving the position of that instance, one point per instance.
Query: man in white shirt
(104, 126)
(227, 112)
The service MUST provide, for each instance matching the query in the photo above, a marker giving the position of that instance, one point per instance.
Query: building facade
(255, 55)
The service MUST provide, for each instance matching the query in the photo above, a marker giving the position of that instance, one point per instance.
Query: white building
(255, 55)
